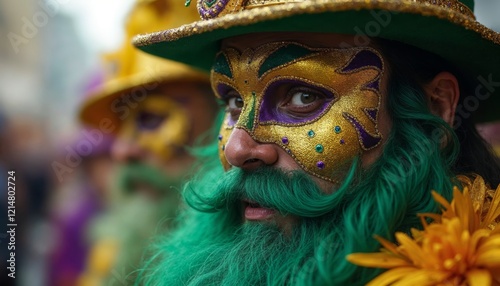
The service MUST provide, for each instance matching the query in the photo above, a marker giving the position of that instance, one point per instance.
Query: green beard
(249, 256)
(216, 247)
(131, 175)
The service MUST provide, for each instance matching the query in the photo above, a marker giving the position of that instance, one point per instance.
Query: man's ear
(443, 93)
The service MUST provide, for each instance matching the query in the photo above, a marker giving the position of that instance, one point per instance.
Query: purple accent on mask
(220, 137)
(320, 165)
(367, 141)
(342, 141)
(222, 90)
(230, 121)
(374, 85)
(372, 113)
(284, 140)
(363, 58)
(269, 110)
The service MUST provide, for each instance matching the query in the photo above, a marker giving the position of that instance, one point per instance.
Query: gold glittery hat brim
(460, 39)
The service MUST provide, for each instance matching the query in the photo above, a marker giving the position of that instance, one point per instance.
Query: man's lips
(254, 211)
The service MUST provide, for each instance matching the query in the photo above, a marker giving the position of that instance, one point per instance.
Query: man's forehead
(317, 40)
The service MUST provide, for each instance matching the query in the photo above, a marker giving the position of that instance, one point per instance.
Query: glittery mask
(159, 124)
(345, 89)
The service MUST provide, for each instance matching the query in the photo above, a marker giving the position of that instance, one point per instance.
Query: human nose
(126, 150)
(243, 151)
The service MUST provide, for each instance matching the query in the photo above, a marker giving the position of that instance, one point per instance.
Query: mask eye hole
(233, 102)
(149, 121)
(294, 101)
(301, 101)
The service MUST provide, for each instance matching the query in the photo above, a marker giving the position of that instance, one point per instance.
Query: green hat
(447, 28)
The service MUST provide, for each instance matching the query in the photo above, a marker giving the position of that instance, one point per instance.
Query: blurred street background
(50, 53)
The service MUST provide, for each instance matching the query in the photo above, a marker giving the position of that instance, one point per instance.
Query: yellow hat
(135, 72)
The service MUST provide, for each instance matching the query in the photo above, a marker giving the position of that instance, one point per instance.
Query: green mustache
(289, 192)
(130, 175)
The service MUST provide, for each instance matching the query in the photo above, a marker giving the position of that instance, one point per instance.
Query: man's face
(157, 130)
(300, 101)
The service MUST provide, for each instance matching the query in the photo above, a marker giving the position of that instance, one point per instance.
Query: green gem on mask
(338, 129)
(311, 134)
(319, 148)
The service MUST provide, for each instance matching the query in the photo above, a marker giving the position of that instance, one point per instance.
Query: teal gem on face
(337, 129)
(319, 148)
(311, 134)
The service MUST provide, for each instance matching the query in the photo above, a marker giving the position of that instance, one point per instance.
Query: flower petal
(489, 259)
(478, 192)
(376, 260)
(391, 276)
(423, 278)
(441, 200)
(492, 242)
(478, 277)
(494, 210)
(387, 244)
(410, 249)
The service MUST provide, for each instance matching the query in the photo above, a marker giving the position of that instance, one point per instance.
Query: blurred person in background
(75, 204)
(78, 199)
(156, 108)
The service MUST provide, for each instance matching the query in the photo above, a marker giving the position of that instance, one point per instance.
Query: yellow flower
(460, 247)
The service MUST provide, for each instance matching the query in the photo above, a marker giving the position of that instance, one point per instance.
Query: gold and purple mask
(342, 84)
(159, 124)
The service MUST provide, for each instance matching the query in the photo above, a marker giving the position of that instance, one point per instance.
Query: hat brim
(461, 40)
(114, 100)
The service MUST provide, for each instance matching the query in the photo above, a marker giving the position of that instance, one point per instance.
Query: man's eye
(301, 98)
(235, 103)
(149, 121)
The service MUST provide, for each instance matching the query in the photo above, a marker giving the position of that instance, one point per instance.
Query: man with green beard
(330, 136)
(157, 109)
